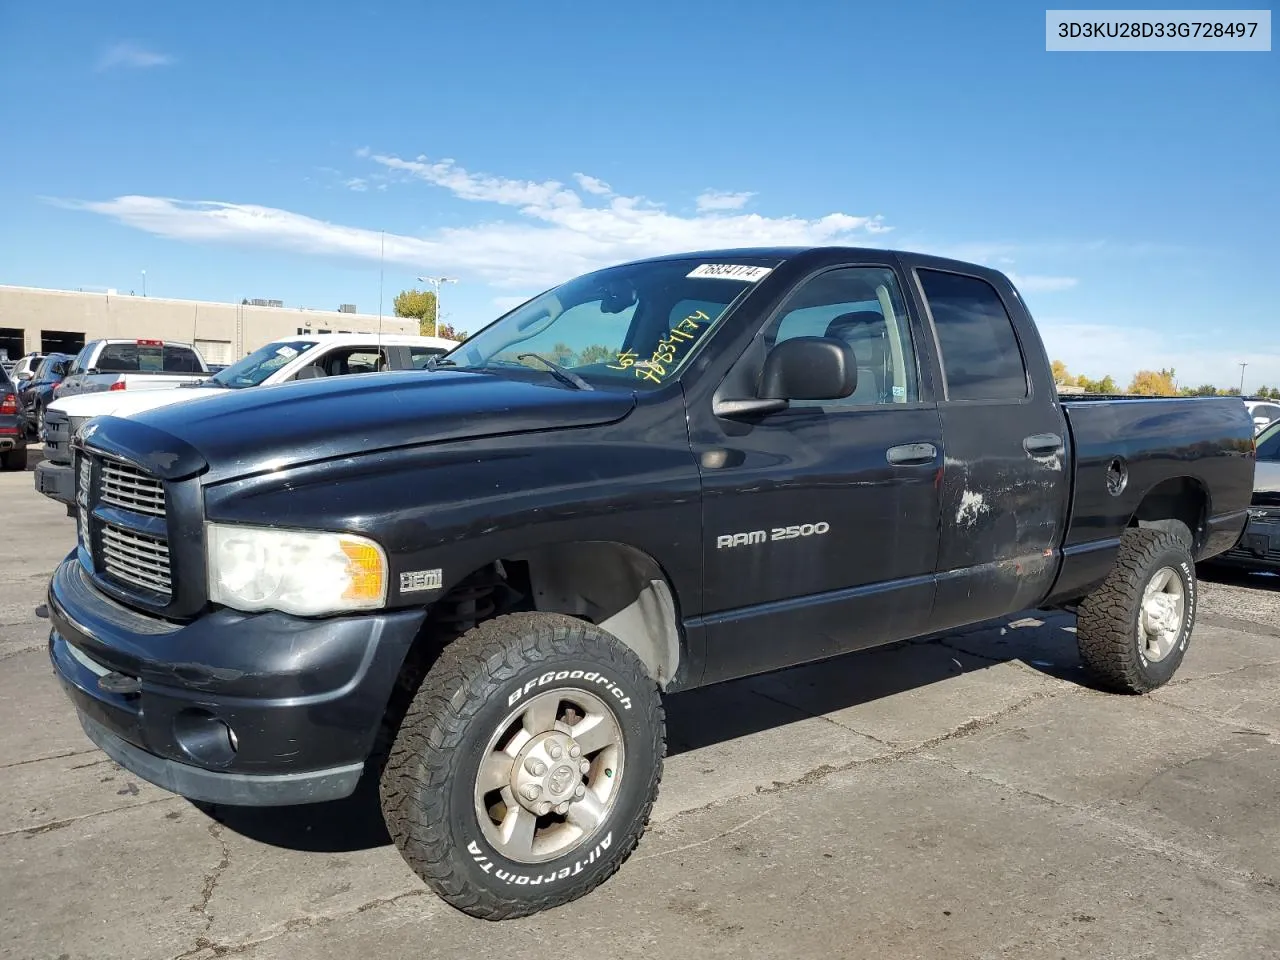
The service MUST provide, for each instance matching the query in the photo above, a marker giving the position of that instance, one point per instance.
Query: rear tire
(491, 740)
(1133, 630)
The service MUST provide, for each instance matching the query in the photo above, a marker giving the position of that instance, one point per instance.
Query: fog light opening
(206, 739)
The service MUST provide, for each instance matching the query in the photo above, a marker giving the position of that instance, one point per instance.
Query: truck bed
(1126, 448)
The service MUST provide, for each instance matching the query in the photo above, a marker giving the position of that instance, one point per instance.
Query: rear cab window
(981, 358)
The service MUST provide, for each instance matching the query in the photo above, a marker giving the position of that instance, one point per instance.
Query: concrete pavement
(958, 797)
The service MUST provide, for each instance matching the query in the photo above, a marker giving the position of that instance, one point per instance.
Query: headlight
(294, 571)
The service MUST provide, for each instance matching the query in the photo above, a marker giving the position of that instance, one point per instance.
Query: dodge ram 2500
(473, 584)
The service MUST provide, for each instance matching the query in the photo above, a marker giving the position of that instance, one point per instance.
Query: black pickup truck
(471, 584)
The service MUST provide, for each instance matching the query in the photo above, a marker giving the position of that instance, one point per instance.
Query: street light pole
(436, 282)
(1242, 366)
(144, 283)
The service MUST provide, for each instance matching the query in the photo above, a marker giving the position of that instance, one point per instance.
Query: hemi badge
(413, 581)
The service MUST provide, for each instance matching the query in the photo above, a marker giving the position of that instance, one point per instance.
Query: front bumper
(1258, 547)
(55, 481)
(257, 710)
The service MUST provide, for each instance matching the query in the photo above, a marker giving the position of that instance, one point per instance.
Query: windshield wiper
(560, 373)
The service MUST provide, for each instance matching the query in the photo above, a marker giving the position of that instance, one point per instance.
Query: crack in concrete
(817, 774)
(55, 756)
(1236, 725)
(20, 651)
(216, 832)
(307, 922)
(1132, 836)
(1184, 681)
(59, 824)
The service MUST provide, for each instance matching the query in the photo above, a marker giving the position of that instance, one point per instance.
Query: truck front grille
(136, 559)
(125, 486)
(117, 504)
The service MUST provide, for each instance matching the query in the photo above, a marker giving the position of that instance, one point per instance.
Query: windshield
(1269, 443)
(634, 326)
(262, 363)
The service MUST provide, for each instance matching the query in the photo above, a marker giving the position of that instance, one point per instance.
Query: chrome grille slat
(128, 557)
(125, 486)
(136, 559)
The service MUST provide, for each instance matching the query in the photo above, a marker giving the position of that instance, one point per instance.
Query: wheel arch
(1173, 502)
(618, 587)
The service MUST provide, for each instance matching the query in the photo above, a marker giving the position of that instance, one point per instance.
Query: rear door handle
(911, 453)
(1042, 444)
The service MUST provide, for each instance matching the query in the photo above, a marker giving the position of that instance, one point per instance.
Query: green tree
(1060, 374)
(596, 353)
(1204, 390)
(1153, 383)
(417, 303)
(447, 330)
(1105, 385)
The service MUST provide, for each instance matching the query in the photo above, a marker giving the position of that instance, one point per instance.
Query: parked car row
(13, 434)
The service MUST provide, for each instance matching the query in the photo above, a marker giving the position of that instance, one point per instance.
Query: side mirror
(25, 375)
(809, 368)
(802, 368)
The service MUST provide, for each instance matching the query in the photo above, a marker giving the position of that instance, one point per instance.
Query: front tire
(525, 769)
(1133, 630)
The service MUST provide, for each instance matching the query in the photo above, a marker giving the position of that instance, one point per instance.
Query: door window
(981, 359)
(863, 306)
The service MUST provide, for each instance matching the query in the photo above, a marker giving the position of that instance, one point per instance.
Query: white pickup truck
(294, 358)
(107, 365)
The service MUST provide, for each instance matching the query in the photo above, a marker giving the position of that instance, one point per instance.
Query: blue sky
(258, 150)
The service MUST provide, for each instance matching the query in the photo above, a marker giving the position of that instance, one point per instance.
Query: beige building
(44, 321)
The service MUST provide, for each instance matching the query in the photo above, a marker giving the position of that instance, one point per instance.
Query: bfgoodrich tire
(1134, 629)
(525, 769)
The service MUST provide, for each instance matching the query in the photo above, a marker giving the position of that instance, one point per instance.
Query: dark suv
(13, 437)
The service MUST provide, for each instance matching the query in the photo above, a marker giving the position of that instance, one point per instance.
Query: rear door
(1005, 486)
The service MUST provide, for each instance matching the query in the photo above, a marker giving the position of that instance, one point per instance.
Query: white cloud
(556, 233)
(593, 185)
(358, 184)
(1035, 283)
(710, 200)
(130, 54)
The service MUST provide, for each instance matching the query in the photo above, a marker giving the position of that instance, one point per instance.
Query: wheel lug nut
(544, 807)
(556, 752)
(584, 766)
(535, 767)
(563, 808)
(532, 791)
(580, 792)
(575, 751)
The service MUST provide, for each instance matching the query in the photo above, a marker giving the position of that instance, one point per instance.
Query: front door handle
(911, 453)
(1042, 444)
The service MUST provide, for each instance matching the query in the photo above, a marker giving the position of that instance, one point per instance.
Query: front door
(820, 522)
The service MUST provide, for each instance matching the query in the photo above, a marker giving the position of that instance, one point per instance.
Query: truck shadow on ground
(1043, 642)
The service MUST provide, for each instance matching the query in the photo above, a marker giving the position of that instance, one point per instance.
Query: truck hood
(125, 403)
(239, 432)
